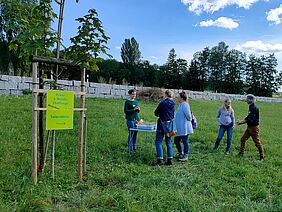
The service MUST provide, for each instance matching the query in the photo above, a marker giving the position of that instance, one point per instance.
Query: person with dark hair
(183, 118)
(131, 110)
(164, 112)
(225, 119)
(253, 129)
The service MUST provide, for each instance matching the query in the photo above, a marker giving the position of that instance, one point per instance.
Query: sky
(188, 26)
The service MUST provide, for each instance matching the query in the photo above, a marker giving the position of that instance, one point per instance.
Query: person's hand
(238, 122)
(137, 108)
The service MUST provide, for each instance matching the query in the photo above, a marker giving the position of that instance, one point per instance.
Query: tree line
(217, 69)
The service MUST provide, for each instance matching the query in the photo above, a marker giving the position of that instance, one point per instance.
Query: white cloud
(210, 6)
(223, 22)
(118, 47)
(273, 15)
(260, 47)
(154, 57)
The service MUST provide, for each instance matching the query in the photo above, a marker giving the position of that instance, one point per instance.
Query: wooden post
(34, 123)
(81, 131)
(85, 146)
(53, 154)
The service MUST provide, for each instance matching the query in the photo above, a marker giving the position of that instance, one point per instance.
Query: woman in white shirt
(183, 123)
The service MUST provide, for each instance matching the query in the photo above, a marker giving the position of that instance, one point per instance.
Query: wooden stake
(34, 123)
(85, 146)
(53, 154)
(81, 131)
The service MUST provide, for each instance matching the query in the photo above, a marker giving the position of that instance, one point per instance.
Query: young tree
(59, 33)
(89, 42)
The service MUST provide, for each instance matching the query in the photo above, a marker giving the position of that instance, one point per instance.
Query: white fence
(14, 85)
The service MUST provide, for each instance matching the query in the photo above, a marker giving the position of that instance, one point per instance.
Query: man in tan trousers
(252, 130)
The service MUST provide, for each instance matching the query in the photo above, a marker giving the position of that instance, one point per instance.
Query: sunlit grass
(118, 181)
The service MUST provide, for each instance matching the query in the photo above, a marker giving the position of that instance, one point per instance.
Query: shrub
(27, 91)
(150, 94)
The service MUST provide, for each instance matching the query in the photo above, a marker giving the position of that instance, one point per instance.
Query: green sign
(60, 106)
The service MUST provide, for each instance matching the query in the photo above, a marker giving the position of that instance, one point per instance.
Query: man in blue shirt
(253, 129)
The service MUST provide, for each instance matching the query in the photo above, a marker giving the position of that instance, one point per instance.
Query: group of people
(180, 123)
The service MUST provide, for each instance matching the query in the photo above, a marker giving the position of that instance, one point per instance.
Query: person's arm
(157, 111)
(187, 112)
(239, 122)
(137, 108)
(126, 108)
(232, 118)
(218, 116)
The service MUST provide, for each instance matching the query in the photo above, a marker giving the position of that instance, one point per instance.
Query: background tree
(182, 68)
(192, 78)
(149, 74)
(198, 72)
(253, 76)
(217, 65)
(268, 84)
(235, 66)
(171, 76)
(14, 20)
(108, 72)
(131, 55)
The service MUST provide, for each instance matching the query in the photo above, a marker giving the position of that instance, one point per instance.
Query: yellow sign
(59, 114)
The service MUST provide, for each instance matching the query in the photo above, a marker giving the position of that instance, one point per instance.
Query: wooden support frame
(35, 109)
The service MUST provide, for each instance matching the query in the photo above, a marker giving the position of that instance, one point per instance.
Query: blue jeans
(159, 148)
(132, 136)
(185, 141)
(221, 132)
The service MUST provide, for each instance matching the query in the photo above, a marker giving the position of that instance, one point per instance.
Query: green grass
(118, 181)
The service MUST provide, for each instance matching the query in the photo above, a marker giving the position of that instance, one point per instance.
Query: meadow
(119, 181)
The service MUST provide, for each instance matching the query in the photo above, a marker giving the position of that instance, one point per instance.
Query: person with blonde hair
(225, 119)
(165, 113)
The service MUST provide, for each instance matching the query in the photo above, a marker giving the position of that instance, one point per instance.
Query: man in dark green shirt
(131, 110)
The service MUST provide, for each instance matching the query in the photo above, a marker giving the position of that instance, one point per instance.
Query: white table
(153, 130)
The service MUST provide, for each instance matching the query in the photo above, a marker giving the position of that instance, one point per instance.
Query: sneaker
(261, 158)
(159, 162)
(240, 154)
(215, 148)
(185, 158)
(179, 156)
(227, 152)
(168, 162)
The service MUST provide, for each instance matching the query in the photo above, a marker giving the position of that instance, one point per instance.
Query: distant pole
(81, 131)
(34, 123)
